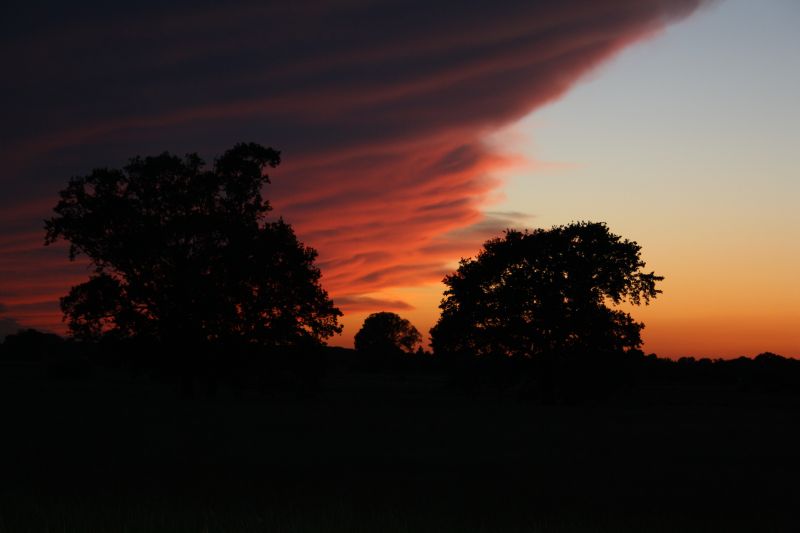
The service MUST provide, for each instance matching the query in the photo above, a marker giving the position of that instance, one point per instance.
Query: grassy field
(385, 454)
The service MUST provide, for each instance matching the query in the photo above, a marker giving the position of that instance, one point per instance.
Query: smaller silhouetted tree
(546, 292)
(546, 296)
(387, 333)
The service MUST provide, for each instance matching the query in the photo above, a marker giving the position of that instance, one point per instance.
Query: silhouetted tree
(387, 333)
(542, 294)
(183, 253)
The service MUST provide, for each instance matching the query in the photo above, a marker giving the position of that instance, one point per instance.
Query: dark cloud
(380, 109)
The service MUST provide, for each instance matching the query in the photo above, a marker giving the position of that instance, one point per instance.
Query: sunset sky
(411, 133)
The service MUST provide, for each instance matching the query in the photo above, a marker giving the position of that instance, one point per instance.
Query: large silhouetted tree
(387, 333)
(545, 293)
(183, 252)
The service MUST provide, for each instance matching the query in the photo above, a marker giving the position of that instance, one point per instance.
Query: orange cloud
(381, 112)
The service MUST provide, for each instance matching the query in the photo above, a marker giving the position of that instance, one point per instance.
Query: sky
(687, 143)
(411, 133)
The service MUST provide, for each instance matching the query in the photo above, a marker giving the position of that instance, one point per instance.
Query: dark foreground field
(382, 454)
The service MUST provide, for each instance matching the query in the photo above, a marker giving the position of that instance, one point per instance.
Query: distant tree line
(766, 373)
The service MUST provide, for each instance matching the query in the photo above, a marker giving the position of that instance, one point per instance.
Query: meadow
(371, 452)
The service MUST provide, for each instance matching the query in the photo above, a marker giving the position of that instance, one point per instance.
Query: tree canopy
(182, 250)
(387, 333)
(545, 292)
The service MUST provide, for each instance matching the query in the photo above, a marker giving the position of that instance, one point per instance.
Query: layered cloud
(381, 110)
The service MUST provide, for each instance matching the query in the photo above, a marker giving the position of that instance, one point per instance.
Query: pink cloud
(381, 112)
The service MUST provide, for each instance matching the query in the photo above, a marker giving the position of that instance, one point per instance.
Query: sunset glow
(408, 142)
